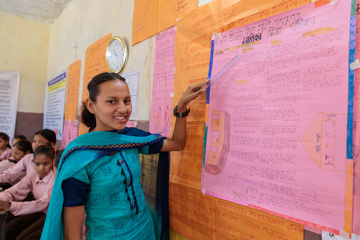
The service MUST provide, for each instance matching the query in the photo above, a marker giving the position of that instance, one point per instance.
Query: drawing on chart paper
(219, 147)
(319, 139)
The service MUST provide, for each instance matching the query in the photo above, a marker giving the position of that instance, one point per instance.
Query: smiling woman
(109, 103)
(99, 172)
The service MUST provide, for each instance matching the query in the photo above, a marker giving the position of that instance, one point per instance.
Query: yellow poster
(197, 216)
(154, 16)
(72, 91)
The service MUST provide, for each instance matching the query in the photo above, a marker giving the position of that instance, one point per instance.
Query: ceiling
(45, 11)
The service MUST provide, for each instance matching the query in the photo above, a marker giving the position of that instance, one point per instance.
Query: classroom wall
(85, 22)
(24, 48)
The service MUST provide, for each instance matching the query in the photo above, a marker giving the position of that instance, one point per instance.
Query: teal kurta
(115, 206)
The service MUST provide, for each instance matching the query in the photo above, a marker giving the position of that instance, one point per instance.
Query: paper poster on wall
(9, 91)
(70, 132)
(72, 91)
(132, 80)
(277, 121)
(154, 16)
(192, 54)
(200, 216)
(55, 104)
(356, 199)
(161, 100)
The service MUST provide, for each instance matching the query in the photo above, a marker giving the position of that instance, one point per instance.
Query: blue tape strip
(210, 71)
(350, 118)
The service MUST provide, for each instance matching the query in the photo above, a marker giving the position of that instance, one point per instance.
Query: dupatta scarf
(89, 147)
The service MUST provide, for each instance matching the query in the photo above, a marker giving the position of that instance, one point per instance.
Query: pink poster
(70, 132)
(356, 200)
(278, 116)
(161, 101)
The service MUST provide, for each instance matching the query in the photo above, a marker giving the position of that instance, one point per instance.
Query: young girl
(17, 138)
(5, 149)
(99, 172)
(25, 166)
(19, 149)
(40, 183)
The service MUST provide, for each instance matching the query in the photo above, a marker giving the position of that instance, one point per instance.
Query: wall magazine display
(279, 116)
(161, 100)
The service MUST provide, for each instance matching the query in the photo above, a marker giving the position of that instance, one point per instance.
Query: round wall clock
(116, 54)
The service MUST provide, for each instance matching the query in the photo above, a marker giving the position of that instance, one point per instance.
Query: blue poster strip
(210, 70)
(350, 119)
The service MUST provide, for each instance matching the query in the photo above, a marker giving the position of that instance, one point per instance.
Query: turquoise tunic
(115, 205)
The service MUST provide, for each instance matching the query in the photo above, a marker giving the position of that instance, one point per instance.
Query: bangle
(181, 115)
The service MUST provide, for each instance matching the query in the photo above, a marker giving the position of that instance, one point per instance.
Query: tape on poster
(355, 65)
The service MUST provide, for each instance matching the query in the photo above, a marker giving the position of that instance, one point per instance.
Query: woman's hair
(44, 150)
(57, 158)
(93, 87)
(5, 137)
(24, 146)
(48, 134)
(20, 137)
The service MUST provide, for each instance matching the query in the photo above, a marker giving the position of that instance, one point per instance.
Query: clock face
(116, 54)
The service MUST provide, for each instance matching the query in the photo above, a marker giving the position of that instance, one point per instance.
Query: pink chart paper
(277, 127)
(161, 108)
(356, 199)
(70, 132)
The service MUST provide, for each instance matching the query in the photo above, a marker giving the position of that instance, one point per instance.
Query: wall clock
(116, 54)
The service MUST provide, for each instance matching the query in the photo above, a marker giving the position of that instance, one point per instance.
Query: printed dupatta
(97, 145)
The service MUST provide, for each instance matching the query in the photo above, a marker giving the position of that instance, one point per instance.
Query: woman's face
(38, 141)
(112, 108)
(17, 154)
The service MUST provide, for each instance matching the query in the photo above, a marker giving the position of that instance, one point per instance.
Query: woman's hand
(190, 94)
(4, 205)
(178, 138)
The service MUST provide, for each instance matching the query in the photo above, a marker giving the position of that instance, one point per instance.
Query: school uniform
(22, 168)
(6, 164)
(30, 211)
(6, 154)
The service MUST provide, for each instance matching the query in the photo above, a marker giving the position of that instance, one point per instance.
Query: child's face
(3, 143)
(15, 140)
(38, 141)
(113, 107)
(42, 165)
(17, 154)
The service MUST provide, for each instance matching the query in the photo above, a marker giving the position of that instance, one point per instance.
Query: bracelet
(181, 115)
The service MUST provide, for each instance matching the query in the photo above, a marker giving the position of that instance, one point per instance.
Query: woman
(99, 173)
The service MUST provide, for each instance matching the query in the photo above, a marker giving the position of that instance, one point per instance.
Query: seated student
(34, 231)
(5, 149)
(25, 166)
(40, 183)
(17, 138)
(19, 149)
